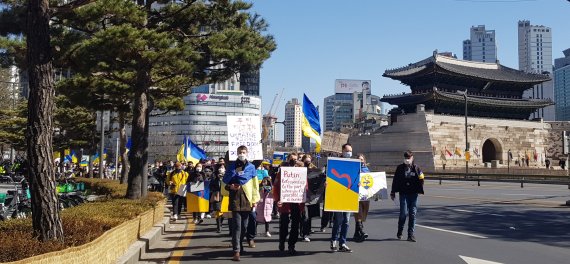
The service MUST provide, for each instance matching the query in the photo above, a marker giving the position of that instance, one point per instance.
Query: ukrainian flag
(96, 157)
(311, 125)
(190, 152)
(73, 157)
(247, 179)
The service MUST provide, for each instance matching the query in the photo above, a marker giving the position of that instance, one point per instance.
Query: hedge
(81, 224)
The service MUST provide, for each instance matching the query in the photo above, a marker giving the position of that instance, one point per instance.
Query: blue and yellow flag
(73, 157)
(96, 157)
(190, 152)
(311, 122)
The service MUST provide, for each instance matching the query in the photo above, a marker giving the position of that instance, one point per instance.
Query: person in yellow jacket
(176, 179)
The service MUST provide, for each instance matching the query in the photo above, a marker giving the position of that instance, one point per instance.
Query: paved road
(498, 222)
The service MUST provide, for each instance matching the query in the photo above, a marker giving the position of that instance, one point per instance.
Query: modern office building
(249, 83)
(481, 46)
(350, 103)
(535, 56)
(203, 120)
(293, 134)
(562, 86)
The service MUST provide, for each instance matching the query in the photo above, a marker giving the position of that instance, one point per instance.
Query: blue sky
(323, 40)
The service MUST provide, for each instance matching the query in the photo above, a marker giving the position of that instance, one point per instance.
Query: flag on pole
(73, 157)
(448, 152)
(311, 125)
(458, 151)
(190, 152)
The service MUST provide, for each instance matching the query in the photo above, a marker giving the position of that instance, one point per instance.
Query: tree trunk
(138, 156)
(90, 166)
(123, 148)
(45, 209)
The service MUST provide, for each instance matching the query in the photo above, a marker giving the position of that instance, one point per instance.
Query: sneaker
(251, 244)
(208, 216)
(322, 230)
(267, 234)
(200, 221)
(195, 221)
(364, 236)
(334, 246)
(175, 217)
(345, 248)
(399, 235)
(306, 239)
(411, 238)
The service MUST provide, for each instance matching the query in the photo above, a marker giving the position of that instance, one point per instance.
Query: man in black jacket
(409, 182)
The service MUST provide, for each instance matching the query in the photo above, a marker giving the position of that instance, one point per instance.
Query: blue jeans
(340, 223)
(408, 207)
(251, 226)
(239, 229)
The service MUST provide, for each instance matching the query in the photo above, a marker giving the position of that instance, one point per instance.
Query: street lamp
(464, 93)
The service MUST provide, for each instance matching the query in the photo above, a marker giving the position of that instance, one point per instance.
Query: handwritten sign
(245, 131)
(372, 183)
(293, 184)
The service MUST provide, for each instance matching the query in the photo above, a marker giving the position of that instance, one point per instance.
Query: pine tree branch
(69, 7)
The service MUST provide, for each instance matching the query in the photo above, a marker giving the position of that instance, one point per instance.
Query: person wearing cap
(409, 182)
(176, 179)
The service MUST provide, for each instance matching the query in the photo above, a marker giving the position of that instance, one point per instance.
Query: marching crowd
(253, 189)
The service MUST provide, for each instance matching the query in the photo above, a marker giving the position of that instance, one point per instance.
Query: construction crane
(269, 118)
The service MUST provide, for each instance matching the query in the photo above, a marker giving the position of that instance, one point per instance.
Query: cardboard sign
(245, 131)
(293, 184)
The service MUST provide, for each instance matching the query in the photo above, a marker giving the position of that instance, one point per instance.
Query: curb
(140, 247)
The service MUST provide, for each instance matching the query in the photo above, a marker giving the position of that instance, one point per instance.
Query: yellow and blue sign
(199, 202)
(342, 191)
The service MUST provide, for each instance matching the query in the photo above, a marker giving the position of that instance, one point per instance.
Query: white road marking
(467, 211)
(522, 194)
(469, 260)
(454, 232)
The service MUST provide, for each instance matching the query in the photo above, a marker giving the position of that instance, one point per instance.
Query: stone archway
(492, 150)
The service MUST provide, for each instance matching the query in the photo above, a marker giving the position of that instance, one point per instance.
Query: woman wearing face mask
(195, 177)
(216, 196)
(289, 212)
(363, 208)
(313, 186)
(265, 206)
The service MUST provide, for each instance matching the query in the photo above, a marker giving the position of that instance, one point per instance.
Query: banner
(199, 202)
(341, 193)
(245, 131)
(293, 184)
(372, 183)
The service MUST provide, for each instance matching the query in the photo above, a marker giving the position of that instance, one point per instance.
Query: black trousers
(295, 219)
(177, 203)
(326, 218)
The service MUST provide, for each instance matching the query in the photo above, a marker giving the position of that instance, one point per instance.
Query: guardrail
(479, 177)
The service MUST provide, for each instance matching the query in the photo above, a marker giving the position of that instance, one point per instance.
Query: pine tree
(155, 52)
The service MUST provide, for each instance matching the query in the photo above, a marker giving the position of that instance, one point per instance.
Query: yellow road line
(548, 204)
(184, 242)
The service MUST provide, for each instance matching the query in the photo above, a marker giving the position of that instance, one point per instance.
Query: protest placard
(245, 131)
(343, 176)
(372, 183)
(293, 184)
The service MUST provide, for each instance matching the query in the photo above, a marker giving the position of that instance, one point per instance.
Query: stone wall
(429, 134)
(518, 136)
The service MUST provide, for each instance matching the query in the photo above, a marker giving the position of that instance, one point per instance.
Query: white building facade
(482, 45)
(203, 120)
(293, 115)
(535, 56)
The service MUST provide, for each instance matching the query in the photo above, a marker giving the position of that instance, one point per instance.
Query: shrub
(81, 224)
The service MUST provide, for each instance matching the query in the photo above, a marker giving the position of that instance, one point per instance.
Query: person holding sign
(176, 180)
(243, 186)
(341, 219)
(290, 201)
(409, 182)
(363, 207)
